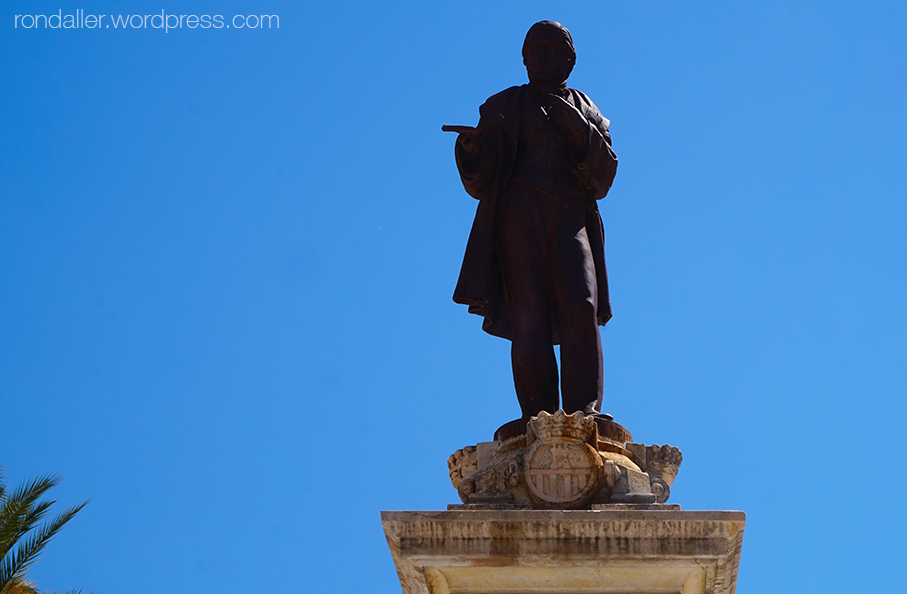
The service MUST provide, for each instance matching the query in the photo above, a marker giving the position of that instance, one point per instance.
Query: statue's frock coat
(480, 285)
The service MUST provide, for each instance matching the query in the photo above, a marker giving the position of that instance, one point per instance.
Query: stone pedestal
(619, 549)
(561, 461)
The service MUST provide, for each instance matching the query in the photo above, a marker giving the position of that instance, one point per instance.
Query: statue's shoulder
(591, 111)
(584, 96)
(499, 100)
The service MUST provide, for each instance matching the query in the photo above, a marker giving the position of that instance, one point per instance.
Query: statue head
(548, 53)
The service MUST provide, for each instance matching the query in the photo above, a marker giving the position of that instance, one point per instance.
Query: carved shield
(561, 471)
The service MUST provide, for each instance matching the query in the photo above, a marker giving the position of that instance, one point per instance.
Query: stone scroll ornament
(564, 461)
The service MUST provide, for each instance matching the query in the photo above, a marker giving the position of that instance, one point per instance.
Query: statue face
(547, 60)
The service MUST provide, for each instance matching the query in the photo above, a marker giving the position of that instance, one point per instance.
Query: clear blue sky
(227, 257)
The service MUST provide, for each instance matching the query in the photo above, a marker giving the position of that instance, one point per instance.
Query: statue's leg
(576, 303)
(521, 249)
(534, 366)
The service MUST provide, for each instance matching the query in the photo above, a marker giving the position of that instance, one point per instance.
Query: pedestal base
(566, 552)
(561, 461)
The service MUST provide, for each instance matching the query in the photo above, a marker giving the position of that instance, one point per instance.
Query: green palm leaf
(22, 537)
(17, 515)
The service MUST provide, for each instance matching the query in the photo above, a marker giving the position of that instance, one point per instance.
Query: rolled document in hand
(475, 131)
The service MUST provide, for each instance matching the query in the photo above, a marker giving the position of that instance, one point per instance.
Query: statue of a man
(535, 261)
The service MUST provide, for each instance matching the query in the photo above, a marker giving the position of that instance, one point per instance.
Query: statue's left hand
(566, 116)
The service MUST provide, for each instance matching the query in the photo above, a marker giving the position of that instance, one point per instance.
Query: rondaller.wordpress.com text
(164, 21)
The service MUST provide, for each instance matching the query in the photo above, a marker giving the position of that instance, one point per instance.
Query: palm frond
(24, 587)
(15, 565)
(17, 514)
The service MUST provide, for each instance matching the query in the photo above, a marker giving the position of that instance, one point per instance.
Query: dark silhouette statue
(534, 267)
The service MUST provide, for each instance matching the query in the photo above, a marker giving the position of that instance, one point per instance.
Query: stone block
(614, 551)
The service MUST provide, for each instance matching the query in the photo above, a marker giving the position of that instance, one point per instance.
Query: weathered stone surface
(562, 461)
(578, 552)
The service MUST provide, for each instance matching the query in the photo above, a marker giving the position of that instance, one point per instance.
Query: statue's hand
(566, 116)
(469, 141)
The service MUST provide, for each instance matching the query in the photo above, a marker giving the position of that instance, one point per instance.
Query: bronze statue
(535, 261)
